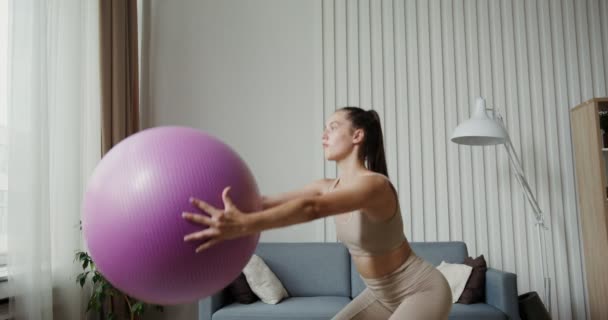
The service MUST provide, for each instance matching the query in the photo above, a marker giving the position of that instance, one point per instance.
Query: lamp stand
(540, 222)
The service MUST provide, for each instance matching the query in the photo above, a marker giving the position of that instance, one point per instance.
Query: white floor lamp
(481, 130)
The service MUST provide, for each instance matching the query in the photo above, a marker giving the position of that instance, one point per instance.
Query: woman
(365, 206)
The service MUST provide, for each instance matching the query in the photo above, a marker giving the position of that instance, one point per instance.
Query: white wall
(248, 73)
(264, 75)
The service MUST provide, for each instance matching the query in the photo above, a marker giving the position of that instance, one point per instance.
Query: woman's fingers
(201, 235)
(199, 219)
(208, 244)
(213, 211)
(215, 221)
(228, 204)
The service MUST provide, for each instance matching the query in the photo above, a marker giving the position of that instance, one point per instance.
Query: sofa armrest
(209, 305)
(501, 292)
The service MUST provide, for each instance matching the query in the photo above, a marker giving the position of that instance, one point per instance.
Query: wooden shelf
(591, 167)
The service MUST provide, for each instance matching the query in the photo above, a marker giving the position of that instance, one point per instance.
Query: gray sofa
(321, 280)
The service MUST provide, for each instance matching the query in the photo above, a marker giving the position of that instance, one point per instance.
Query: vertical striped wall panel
(421, 64)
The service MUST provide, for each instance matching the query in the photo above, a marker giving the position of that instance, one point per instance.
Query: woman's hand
(222, 225)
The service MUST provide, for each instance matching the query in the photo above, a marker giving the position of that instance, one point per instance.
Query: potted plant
(109, 302)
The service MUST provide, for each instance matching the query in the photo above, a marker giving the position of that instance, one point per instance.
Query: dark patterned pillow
(241, 292)
(475, 289)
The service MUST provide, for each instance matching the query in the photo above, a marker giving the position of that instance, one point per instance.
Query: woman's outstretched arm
(230, 223)
(361, 194)
(312, 189)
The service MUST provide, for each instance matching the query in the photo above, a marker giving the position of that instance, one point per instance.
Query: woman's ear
(358, 136)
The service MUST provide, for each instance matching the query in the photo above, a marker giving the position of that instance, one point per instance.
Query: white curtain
(54, 143)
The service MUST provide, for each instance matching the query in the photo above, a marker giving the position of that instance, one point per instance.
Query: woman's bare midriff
(378, 266)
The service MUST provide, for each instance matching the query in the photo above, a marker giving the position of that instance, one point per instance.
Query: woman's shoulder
(371, 176)
(384, 193)
(372, 181)
(378, 181)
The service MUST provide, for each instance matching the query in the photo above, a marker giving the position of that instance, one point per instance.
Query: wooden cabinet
(590, 159)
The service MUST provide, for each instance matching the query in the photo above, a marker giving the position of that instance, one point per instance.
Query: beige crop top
(365, 237)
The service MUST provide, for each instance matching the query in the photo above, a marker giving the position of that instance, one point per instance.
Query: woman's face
(338, 137)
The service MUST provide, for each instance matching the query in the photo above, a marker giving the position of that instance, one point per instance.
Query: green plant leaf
(81, 256)
(94, 303)
(82, 278)
(137, 308)
(99, 289)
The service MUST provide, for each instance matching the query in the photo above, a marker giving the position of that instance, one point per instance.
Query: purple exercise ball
(132, 220)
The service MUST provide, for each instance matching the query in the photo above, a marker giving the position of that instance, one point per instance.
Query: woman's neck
(349, 167)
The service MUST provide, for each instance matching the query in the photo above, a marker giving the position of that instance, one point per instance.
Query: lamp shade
(479, 130)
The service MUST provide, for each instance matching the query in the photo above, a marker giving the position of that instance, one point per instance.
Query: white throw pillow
(457, 276)
(263, 282)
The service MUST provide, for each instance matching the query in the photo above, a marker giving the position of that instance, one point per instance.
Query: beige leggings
(416, 290)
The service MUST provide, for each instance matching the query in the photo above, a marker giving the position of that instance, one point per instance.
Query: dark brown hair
(373, 144)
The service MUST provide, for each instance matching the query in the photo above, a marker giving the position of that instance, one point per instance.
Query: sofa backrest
(435, 252)
(432, 252)
(309, 269)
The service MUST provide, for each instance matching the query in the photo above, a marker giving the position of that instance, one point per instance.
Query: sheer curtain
(53, 145)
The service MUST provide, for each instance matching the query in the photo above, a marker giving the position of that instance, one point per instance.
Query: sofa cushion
(475, 290)
(309, 269)
(457, 275)
(263, 282)
(240, 290)
(433, 252)
(475, 311)
(305, 308)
